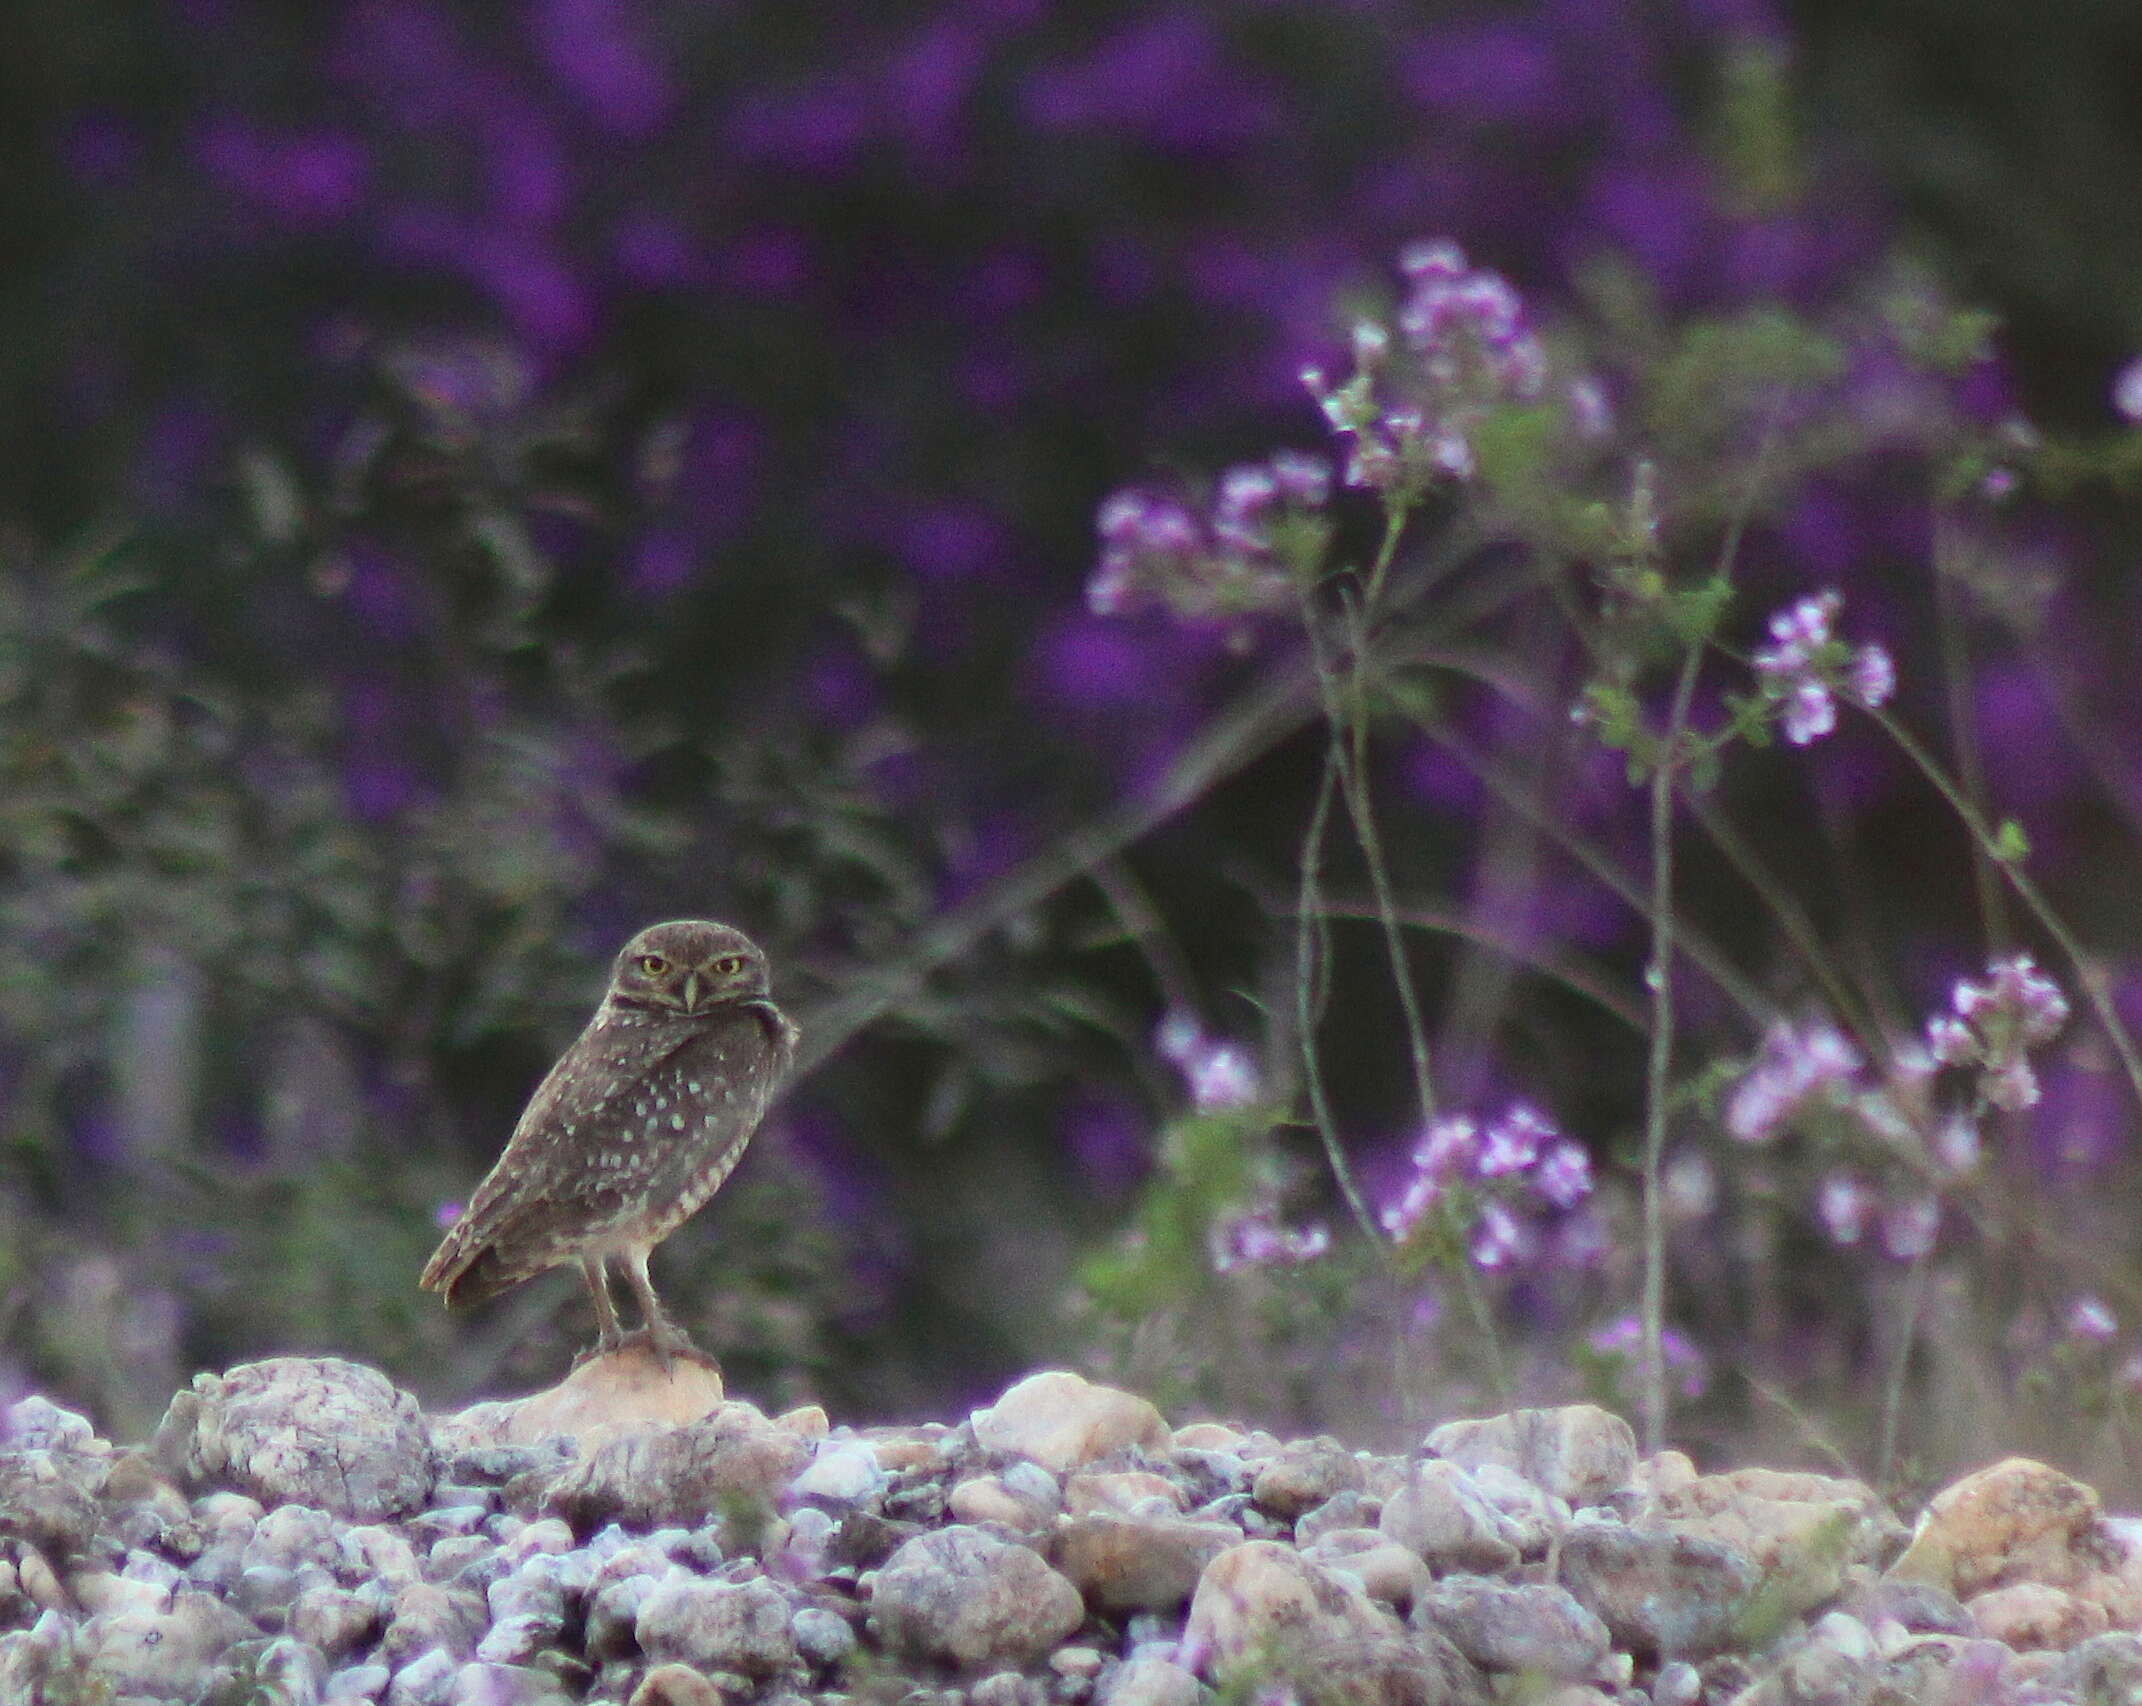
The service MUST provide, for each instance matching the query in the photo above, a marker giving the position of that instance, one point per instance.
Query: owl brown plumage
(636, 1126)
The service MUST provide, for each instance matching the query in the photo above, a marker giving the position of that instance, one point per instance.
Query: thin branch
(1792, 919)
(1658, 975)
(1578, 979)
(1308, 963)
(1954, 648)
(1760, 1010)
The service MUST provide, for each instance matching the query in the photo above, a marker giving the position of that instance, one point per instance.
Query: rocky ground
(299, 1532)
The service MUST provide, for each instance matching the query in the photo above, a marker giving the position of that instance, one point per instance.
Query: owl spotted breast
(636, 1126)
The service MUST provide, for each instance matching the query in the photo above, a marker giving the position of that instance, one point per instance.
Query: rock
(1660, 1594)
(989, 1498)
(1063, 1421)
(1078, 1662)
(965, 1597)
(614, 1615)
(427, 1616)
(1263, 1613)
(302, 1430)
(2018, 1520)
(356, 1683)
(1515, 1626)
(1137, 1563)
(1121, 1492)
(48, 1499)
(376, 1554)
(2036, 1615)
(289, 1673)
(1579, 1452)
(921, 1447)
(1341, 1510)
(168, 1655)
(426, 1680)
(1918, 1607)
(616, 1392)
(1007, 1688)
(733, 1462)
(37, 1424)
(675, 1685)
(2103, 1668)
(823, 1638)
(1387, 1571)
(1536, 1518)
(484, 1684)
(735, 1626)
(1303, 1476)
(842, 1472)
(1802, 1531)
(142, 1508)
(335, 1620)
(1677, 1684)
(1441, 1515)
(1150, 1682)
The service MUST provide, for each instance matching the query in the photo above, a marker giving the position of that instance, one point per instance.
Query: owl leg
(608, 1334)
(664, 1336)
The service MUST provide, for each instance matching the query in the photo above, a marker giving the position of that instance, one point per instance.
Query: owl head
(688, 966)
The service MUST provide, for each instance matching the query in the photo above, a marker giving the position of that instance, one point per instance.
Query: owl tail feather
(470, 1279)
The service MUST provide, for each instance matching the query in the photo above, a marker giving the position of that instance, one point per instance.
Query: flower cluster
(1849, 1207)
(1995, 1024)
(1622, 1340)
(2127, 392)
(1258, 1240)
(1806, 666)
(1235, 558)
(1220, 1074)
(1462, 347)
(2090, 1317)
(1506, 1174)
(1801, 1066)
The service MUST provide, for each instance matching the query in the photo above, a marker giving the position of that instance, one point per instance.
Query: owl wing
(545, 1186)
(597, 1143)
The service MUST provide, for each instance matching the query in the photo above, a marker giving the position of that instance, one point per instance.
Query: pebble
(1305, 1475)
(302, 1430)
(823, 1638)
(1132, 1563)
(845, 1471)
(1063, 1421)
(1151, 1682)
(739, 1626)
(734, 1461)
(1660, 1594)
(1579, 1453)
(723, 1559)
(1531, 1627)
(1443, 1517)
(963, 1596)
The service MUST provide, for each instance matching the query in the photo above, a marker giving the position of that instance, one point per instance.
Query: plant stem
(1659, 1069)
(1900, 1369)
(1963, 727)
(1308, 1004)
(1793, 920)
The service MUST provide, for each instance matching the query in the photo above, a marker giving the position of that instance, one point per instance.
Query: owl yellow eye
(729, 965)
(654, 965)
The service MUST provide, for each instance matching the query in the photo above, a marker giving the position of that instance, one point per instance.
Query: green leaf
(2011, 846)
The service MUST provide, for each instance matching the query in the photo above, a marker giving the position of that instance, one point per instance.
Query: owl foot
(665, 1341)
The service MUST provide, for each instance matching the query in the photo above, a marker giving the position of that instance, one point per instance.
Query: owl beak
(691, 992)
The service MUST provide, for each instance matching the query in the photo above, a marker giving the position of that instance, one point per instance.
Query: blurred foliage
(474, 480)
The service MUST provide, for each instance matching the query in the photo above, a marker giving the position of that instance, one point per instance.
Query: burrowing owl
(635, 1127)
